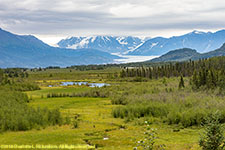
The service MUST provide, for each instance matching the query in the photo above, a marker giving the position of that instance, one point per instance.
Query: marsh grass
(174, 106)
(172, 111)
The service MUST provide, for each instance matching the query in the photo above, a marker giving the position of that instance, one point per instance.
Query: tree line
(204, 72)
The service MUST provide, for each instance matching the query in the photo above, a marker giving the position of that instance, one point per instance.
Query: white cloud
(62, 18)
(50, 39)
(130, 11)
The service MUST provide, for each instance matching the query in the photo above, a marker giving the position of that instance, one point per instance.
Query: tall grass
(167, 102)
(95, 92)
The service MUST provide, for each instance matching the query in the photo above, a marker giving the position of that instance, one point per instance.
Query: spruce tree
(181, 83)
(213, 138)
(1, 76)
(195, 79)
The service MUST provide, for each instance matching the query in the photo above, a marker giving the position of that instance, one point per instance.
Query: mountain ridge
(185, 54)
(131, 45)
(29, 51)
(201, 41)
(110, 44)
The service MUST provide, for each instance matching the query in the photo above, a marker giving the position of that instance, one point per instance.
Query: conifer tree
(1, 76)
(213, 138)
(195, 80)
(181, 83)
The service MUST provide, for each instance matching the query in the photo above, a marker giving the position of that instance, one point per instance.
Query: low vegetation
(16, 115)
(175, 99)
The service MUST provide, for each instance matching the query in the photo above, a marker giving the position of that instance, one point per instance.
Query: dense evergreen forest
(206, 72)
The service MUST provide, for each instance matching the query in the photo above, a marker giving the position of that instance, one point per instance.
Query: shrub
(75, 124)
(213, 138)
(15, 115)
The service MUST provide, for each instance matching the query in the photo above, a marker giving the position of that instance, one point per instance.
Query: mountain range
(110, 44)
(28, 51)
(187, 53)
(201, 41)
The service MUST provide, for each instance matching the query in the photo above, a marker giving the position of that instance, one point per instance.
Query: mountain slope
(186, 54)
(201, 41)
(28, 51)
(177, 55)
(218, 52)
(111, 44)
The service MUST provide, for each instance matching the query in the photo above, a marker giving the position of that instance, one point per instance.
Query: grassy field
(96, 126)
(93, 117)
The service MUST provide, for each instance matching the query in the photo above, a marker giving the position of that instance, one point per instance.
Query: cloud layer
(116, 17)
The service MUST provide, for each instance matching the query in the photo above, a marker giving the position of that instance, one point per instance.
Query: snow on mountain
(111, 44)
(201, 41)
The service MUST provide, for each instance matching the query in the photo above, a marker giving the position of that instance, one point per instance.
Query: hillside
(186, 54)
(177, 55)
(218, 52)
(28, 51)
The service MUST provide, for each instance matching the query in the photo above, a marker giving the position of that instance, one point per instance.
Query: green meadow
(96, 124)
(114, 117)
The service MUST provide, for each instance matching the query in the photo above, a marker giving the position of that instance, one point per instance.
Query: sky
(52, 20)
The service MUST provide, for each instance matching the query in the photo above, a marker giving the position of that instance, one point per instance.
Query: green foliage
(141, 110)
(15, 115)
(18, 85)
(95, 92)
(172, 106)
(209, 79)
(204, 71)
(1, 76)
(148, 142)
(75, 124)
(67, 120)
(16, 72)
(213, 138)
(119, 99)
(183, 107)
(181, 83)
(170, 113)
(23, 86)
(150, 136)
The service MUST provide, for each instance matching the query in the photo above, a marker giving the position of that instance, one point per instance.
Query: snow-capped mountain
(201, 41)
(111, 44)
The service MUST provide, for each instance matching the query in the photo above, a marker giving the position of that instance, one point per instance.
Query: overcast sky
(51, 20)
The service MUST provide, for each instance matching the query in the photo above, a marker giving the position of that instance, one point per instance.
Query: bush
(19, 86)
(75, 124)
(141, 110)
(213, 138)
(15, 115)
(96, 92)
